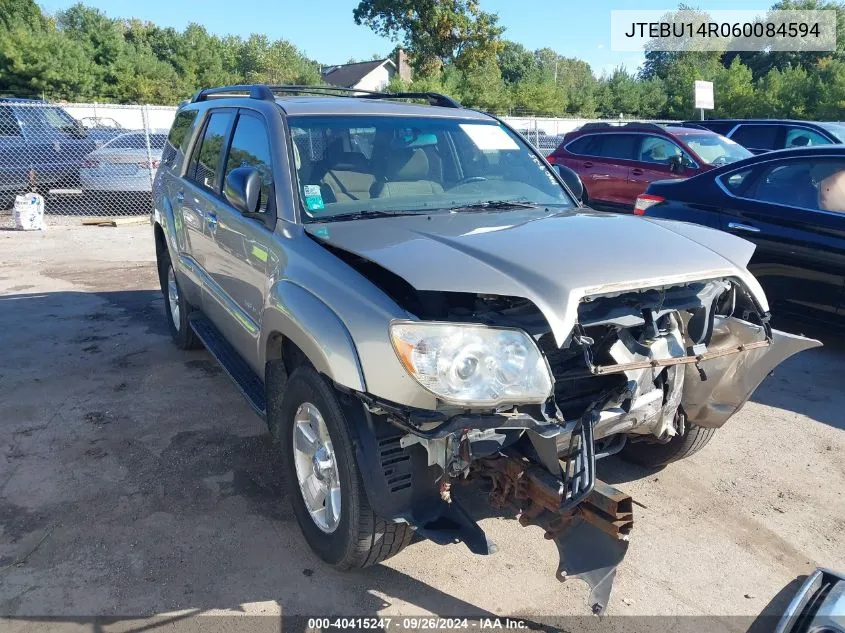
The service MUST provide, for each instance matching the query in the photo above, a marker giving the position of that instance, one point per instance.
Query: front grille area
(575, 388)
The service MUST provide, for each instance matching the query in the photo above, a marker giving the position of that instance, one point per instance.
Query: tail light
(89, 164)
(646, 201)
(551, 158)
(153, 164)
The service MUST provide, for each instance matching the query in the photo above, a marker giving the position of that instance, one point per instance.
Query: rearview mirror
(243, 189)
(676, 164)
(572, 180)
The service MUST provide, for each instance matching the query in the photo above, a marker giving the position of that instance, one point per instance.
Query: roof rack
(631, 124)
(267, 93)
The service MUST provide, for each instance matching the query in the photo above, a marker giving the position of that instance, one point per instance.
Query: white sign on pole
(704, 95)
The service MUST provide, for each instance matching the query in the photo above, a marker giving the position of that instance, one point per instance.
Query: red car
(617, 162)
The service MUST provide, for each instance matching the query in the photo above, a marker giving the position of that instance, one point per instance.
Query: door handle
(211, 219)
(180, 197)
(588, 164)
(743, 227)
(636, 171)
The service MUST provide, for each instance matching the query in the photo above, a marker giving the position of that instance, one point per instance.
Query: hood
(553, 260)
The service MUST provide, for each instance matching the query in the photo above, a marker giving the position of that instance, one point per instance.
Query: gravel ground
(135, 481)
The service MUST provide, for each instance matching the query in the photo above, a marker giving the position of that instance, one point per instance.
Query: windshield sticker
(313, 197)
(488, 137)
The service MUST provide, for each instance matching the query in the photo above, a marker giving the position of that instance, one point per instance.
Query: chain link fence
(88, 161)
(93, 161)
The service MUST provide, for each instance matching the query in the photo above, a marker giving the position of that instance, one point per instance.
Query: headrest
(409, 165)
(349, 161)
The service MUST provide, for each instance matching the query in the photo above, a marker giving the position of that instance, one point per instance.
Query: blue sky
(324, 29)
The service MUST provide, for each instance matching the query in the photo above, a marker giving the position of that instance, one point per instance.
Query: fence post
(145, 114)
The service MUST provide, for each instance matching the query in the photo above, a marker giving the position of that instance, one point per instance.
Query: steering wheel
(465, 181)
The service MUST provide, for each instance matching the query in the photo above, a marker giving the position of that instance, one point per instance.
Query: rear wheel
(645, 454)
(327, 491)
(176, 307)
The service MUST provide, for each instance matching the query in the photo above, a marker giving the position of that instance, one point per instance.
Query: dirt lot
(135, 481)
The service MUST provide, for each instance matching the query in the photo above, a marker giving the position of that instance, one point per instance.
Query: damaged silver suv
(414, 299)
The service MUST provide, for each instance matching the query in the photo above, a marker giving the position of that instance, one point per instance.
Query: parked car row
(44, 147)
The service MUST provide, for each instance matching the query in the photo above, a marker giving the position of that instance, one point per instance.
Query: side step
(239, 371)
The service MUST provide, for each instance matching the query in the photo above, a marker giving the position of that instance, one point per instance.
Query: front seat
(346, 175)
(407, 173)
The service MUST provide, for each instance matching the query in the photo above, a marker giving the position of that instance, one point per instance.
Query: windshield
(837, 129)
(716, 150)
(372, 165)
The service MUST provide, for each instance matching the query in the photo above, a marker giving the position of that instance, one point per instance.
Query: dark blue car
(791, 204)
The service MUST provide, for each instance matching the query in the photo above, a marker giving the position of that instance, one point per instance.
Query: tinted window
(8, 123)
(655, 149)
(757, 136)
(621, 146)
(177, 140)
(39, 117)
(807, 183)
(205, 160)
(251, 148)
(736, 181)
(802, 137)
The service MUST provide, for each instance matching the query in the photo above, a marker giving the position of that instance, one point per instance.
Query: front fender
(301, 317)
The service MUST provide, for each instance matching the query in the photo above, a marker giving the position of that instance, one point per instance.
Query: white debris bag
(28, 213)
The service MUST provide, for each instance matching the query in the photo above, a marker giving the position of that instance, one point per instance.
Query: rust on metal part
(600, 370)
(534, 490)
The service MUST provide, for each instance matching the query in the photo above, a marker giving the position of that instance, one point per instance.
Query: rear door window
(621, 146)
(757, 136)
(207, 156)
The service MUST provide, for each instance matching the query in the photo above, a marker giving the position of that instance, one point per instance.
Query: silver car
(413, 298)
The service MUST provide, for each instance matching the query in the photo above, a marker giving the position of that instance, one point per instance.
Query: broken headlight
(472, 365)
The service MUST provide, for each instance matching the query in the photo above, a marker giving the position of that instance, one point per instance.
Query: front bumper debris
(591, 536)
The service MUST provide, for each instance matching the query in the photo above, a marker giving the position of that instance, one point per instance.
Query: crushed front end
(638, 367)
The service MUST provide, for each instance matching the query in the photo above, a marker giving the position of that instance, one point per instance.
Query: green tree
(515, 62)
(435, 32)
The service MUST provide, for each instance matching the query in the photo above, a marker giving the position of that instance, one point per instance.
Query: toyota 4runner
(414, 299)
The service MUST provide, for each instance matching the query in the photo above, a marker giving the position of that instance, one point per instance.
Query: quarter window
(177, 140)
(251, 148)
(8, 123)
(205, 160)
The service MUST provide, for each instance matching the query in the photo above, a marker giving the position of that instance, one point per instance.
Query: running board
(247, 381)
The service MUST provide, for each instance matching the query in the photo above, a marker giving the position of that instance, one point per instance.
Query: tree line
(456, 48)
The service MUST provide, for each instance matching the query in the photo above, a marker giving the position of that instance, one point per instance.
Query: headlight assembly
(472, 365)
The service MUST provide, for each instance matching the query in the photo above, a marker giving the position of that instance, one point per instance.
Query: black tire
(361, 537)
(183, 335)
(655, 455)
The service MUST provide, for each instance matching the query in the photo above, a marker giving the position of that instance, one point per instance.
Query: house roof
(348, 75)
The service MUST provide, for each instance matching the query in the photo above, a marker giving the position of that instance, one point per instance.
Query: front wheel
(655, 455)
(327, 491)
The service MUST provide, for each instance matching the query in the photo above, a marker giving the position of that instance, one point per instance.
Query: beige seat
(407, 173)
(344, 176)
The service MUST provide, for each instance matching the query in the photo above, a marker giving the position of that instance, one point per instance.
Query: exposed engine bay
(638, 367)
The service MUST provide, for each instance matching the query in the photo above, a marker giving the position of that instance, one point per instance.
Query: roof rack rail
(597, 125)
(267, 93)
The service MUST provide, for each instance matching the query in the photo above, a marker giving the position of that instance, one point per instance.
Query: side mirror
(243, 189)
(676, 164)
(572, 180)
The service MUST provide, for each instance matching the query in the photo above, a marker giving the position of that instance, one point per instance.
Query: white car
(123, 164)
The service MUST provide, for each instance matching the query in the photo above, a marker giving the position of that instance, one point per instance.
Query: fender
(316, 329)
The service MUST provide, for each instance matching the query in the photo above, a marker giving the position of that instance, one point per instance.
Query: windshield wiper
(494, 204)
(361, 215)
